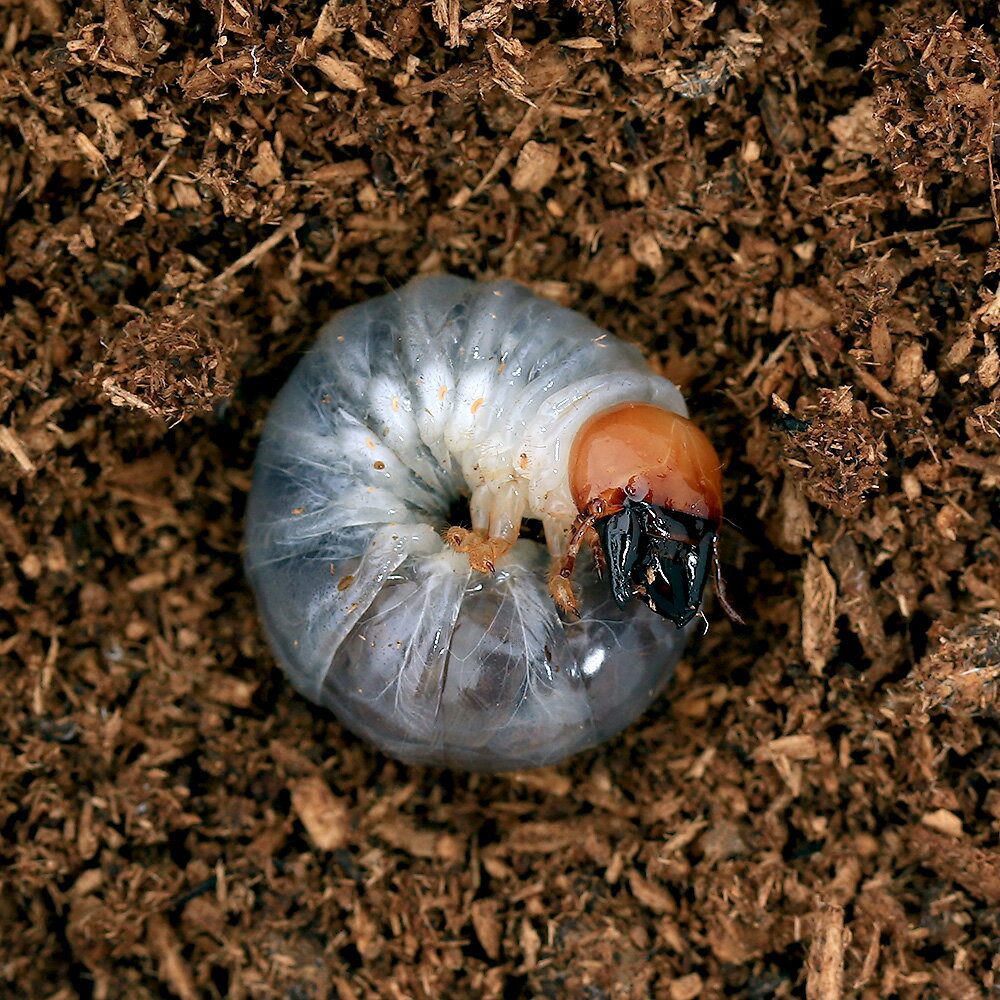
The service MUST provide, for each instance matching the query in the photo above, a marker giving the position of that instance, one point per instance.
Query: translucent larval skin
(406, 403)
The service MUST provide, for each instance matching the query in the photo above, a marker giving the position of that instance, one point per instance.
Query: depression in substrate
(549, 619)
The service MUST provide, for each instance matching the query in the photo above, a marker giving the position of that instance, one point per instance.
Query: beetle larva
(470, 648)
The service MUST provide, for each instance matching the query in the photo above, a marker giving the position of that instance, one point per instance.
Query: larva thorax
(611, 457)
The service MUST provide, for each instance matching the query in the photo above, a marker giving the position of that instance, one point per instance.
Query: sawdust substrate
(792, 206)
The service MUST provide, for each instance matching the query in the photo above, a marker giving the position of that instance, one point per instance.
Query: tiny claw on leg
(483, 552)
(562, 593)
(600, 561)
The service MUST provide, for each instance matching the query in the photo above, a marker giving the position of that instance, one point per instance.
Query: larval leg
(496, 523)
(506, 509)
(483, 552)
(557, 531)
(560, 586)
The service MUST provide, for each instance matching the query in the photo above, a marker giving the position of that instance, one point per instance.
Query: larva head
(656, 480)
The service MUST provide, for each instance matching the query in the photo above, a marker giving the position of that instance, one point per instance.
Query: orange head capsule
(648, 454)
(650, 483)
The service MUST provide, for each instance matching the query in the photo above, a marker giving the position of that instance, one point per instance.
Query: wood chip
(324, 816)
(825, 967)
(536, 165)
(341, 73)
(11, 444)
(943, 821)
(174, 971)
(819, 614)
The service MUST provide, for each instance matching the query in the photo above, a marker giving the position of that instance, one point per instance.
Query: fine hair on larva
(407, 403)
